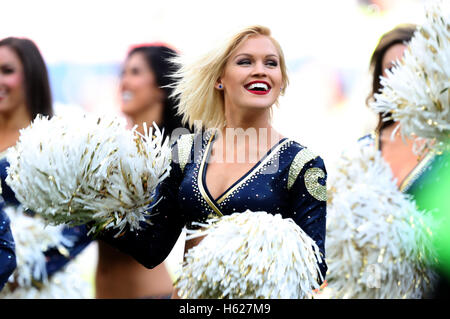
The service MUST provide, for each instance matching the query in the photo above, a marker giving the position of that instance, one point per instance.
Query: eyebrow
(248, 54)
(7, 64)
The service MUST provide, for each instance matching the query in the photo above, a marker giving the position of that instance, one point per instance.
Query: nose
(259, 69)
(123, 82)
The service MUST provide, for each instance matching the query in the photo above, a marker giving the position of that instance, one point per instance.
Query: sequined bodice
(289, 180)
(263, 188)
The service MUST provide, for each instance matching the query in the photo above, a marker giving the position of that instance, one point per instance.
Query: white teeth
(258, 85)
(127, 95)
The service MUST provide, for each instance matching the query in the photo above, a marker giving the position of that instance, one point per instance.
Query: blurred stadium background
(327, 44)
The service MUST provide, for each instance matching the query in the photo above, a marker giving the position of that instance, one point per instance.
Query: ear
(219, 85)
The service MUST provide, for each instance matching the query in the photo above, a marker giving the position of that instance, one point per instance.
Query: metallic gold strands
(250, 255)
(99, 173)
(378, 244)
(32, 238)
(317, 190)
(302, 157)
(414, 91)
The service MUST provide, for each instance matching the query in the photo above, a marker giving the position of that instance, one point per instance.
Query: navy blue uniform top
(57, 258)
(7, 253)
(289, 180)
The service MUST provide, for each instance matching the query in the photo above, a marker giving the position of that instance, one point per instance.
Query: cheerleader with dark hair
(42, 253)
(145, 97)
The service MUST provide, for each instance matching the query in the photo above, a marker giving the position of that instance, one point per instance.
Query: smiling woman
(201, 89)
(228, 94)
(24, 88)
(41, 263)
(12, 77)
(252, 78)
(145, 98)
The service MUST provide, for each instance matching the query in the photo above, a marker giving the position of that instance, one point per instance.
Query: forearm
(58, 257)
(151, 245)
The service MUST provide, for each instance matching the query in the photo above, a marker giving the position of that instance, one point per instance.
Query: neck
(388, 135)
(15, 120)
(245, 119)
(397, 143)
(10, 125)
(249, 133)
(251, 123)
(149, 115)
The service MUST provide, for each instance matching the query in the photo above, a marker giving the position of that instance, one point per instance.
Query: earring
(220, 86)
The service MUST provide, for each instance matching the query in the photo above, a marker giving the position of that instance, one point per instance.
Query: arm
(154, 241)
(7, 252)
(308, 198)
(58, 257)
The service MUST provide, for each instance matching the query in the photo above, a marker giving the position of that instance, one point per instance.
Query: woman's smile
(258, 87)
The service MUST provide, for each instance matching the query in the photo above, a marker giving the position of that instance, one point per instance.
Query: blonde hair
(198, 100)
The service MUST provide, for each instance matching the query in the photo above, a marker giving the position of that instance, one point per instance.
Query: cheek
(234, 76)
(14, 82)
(150, 91)
(147, 85)
(278, 79)
(147, 93)
(383, 68)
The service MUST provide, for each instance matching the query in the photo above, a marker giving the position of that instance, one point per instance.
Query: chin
(5, 108)
(259, 105)
(127, 109)
(126, 112)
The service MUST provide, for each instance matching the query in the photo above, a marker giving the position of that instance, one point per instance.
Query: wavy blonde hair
(198, 99)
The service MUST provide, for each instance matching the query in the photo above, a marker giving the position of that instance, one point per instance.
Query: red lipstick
(258, 87)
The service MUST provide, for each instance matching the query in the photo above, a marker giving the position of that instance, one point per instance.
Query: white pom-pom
(417, 90)
(378, 244)
(88, 169)
(251, 255)
(66, 283)
(32, 238)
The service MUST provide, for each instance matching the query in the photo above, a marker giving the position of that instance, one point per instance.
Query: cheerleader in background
(414, 173)
(379, 237)
(24, 93)
(145, 96)
(408, 168)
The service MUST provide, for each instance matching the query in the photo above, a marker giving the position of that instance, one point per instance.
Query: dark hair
(37, 87)
(400, 34)
(158, 59)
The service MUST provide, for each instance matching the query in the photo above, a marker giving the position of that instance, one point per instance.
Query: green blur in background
(435, 198)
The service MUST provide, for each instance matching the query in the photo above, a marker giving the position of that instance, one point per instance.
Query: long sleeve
(154, 241)
(7, 193)
(308, 199)
(7, 249)
(58, 257)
